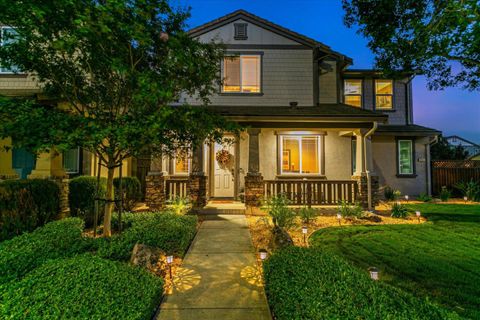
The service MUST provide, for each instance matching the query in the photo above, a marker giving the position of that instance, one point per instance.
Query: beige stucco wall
(385, 166)
(338, 156)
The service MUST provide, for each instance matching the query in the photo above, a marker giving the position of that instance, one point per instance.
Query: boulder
(147, 257)
(281, 238)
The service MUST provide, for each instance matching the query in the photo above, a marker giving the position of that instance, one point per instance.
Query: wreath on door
(224, 158)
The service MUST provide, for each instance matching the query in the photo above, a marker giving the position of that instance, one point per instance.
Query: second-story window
(7, 36)
(353, 92)
(241, 74)
(383, 94)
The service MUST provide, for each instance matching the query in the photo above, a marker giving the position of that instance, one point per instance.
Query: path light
(418, 214)
(406, 197)
(465, 199)
(339, 218)
(169, 262)
(304, 231)
(263, 254)
(374, 273)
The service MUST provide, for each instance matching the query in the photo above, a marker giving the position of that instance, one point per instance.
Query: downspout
(429, 165)
(369, 181)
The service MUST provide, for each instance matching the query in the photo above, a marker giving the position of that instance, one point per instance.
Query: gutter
(367, 170)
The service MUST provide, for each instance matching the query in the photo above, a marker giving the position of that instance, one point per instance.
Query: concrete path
(219, 278)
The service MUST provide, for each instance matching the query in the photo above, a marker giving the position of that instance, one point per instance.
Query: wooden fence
(313, 192)
(177, 187)
(450, 172)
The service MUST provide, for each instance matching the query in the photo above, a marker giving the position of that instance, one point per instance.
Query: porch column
(155, 183)
(254, 187)
(197, 181)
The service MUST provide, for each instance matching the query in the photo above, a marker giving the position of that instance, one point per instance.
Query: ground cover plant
(439, 259)
(309, 283)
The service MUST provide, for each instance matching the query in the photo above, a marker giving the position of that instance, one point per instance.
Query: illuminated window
(241, 74)
(353, 92)
(300, 154)
(383, 94)
(182, 163)
(405, 157)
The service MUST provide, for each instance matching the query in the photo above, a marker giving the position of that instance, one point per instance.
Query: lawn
(439, 259)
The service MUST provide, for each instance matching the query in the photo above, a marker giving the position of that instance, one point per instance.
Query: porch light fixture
(263, 254)
(465, 199)
(418, 214)
(304, 231)
(169, 262)
(374, 273)
(339, 218)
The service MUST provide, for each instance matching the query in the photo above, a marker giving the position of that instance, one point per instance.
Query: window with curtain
(353, 92)
(71, 161)
(384, 94)
(241, 74)
(405, 157)
(300, 154)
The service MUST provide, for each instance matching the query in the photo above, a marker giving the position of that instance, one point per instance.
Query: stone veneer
(197, 185)
(155, 191)
(362, 196)
(254, 189)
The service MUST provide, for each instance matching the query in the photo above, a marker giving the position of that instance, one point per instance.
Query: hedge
(132, 190)
(26, 205)
(306, 283)
(81, 198)
(83, 287)
(24, 253)
(170, 232)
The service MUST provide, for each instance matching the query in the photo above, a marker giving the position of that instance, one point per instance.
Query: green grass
(439, 259)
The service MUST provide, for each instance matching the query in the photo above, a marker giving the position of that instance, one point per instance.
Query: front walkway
(219, 278)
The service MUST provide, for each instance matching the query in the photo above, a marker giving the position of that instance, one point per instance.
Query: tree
(116, 69)
(440, 39)
(442, 150)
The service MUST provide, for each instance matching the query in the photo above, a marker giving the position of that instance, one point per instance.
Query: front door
(224, 170)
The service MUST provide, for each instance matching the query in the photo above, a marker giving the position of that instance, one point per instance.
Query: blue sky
(453, 111)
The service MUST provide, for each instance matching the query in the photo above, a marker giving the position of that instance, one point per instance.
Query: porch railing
(177, 187)
(313, 192)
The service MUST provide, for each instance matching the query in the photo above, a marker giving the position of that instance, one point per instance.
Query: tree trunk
(109, 204)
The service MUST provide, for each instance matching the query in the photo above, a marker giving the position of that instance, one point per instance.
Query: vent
(240, 31)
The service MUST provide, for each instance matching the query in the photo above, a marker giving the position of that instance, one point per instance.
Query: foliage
(424, 197)
(399, 210)
(307, 214)
(23, 253)
(442, 150)
(277, 208)
(437, 260)
(180, 205)
(471, 190)
(83, 287)
(440, 39)
(26, 205)
(132, 191)
(445, 194)
(168, 231)
(349, 211)
(306, 283)
(390, 194)
(81, 197)
(132, 63)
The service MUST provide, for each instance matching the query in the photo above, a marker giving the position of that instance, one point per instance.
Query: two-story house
(317, 130)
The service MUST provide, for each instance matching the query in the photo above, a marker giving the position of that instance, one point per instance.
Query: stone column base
(254, 190)
(197, 185)
(155, 191)
(362, 196)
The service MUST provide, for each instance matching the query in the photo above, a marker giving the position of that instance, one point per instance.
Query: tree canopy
(113, 75)
(440, 39)
(442, 150)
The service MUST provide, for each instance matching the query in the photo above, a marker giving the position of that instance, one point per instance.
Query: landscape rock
(281, 238)
(147, 257)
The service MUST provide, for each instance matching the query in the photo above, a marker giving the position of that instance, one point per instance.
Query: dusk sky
(453, 111)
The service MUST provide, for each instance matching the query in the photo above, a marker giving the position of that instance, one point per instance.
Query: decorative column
(254, 188)
(197, 180)
(155, 184)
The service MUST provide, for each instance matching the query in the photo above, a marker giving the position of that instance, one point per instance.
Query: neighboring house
(470, 147)
(317, 130)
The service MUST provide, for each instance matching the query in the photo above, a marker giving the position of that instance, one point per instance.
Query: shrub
(180, 205)
(307, 214)
(471, 190)
(170, 232)
(390, 194)
(399, 210)
(424, 197)
(348, 211)
(81, 198)
(132, 191)
(308, 283)
(83, 287)
(26, 205)
(282, 216)
(445, 194)
(28, 251)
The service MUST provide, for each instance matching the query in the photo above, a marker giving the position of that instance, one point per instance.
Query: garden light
(304, 231)
(418, 214)
(465, 199)
(373, 273)
(169, 262)
(263, 254)
(339, 217)
(169, 259)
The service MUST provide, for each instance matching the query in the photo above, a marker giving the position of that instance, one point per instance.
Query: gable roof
(268, 25)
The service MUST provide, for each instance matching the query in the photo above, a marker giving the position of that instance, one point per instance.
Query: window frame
(2, 28)
(413, 174)
(240, 54)
(174, 166)
(375, 95)
(362, 82)
(79, 162)
(320, 146)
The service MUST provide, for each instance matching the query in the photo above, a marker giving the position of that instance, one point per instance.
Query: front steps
(223, 207)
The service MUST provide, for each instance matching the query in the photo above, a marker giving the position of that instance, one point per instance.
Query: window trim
(320, 148)
(362, 96)
(239, 54)
(392, 108)
(413, 154)
(79, 162)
